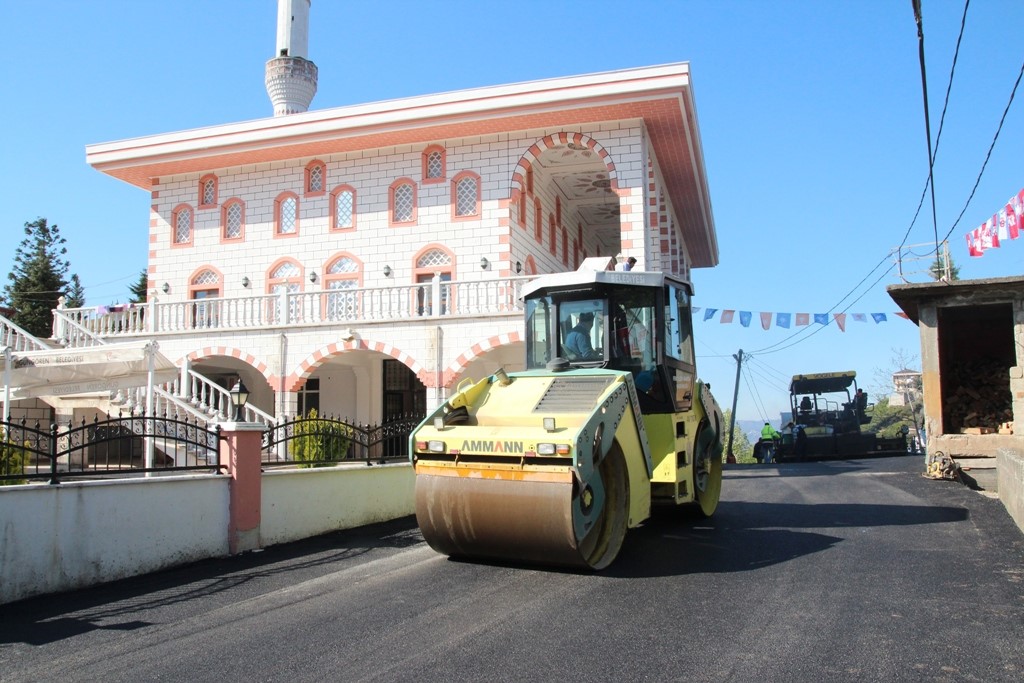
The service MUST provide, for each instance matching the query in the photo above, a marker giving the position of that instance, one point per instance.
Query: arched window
(343, 208)
(284, 276)
(182, 219)
(432, 260)
(232, 220)
(434, 161)
(286, 215)
(465, 196)
(402, 201)
(529, 180)
(208, 191)
(315, 178)
(342, 275)
(565, 247)
(522, 210)
(558, 210)
(552, 235)
(204, 284)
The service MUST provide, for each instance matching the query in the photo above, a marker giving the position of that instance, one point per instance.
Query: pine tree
(938, 269)
(75, 297)
(139, 289)
(37, 278)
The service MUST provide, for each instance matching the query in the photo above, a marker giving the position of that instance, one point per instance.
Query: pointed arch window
(522, 210)
(315, 178)
(342, 276)
(465, 196)
(208, 191)
(182, 219)
(286, 215)
(433, 260)
(402, 201)
(232, 220)
(343, 208)
(434, 163)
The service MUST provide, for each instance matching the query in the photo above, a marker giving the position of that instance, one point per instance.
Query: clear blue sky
(810, 112)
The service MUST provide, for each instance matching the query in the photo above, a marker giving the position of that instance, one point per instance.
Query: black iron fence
(326, 441)
(126, 445)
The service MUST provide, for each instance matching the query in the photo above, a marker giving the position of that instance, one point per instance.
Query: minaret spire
(290, 77)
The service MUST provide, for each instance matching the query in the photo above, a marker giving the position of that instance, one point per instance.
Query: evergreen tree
(138, 290)
(75, 298)
(37, 278)
(938, 268)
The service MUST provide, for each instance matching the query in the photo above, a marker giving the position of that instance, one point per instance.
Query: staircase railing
(18, 339)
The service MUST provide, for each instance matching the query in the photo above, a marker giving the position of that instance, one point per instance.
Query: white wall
(298, 504)
(57, 538)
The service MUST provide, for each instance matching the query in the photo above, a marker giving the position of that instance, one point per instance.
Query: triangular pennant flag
(840, 320)
(879, 317)
(766, 320)
(821, 318)
(709, 313)
(860, 317)
(727, 315)
(902, 315)
(696, 309)
(745, 318)
(782, 319)
(803, 318)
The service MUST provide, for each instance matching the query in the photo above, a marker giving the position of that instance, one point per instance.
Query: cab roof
(822, 382)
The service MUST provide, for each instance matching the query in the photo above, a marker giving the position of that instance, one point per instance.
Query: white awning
(87, 370)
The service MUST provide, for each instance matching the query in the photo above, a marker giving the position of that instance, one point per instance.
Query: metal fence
(327, 441)
(115, 447)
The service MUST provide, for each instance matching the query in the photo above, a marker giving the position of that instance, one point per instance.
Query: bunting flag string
(1005, 224)
(787, 321)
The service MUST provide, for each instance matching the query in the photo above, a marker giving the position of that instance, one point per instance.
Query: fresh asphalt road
(859, 570)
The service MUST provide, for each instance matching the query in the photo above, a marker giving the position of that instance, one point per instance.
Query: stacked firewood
(978, 398)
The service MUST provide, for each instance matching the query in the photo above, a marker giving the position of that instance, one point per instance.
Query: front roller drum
(521, 517)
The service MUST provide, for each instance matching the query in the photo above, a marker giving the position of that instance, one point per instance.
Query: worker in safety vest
(767, 442)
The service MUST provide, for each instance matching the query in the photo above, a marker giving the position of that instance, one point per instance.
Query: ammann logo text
(479, 445)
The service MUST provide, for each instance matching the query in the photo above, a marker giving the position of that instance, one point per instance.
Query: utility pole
(730, 458)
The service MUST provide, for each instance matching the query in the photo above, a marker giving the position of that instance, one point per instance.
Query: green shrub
(12, 460)
(318, 443)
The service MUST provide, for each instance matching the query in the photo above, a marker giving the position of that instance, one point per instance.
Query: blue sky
(811, 117)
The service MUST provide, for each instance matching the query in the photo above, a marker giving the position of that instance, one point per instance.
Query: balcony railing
(434, 299)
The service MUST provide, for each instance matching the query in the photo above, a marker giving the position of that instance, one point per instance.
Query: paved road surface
(851, 571)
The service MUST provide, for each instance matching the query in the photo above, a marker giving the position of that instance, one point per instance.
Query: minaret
(291, 78)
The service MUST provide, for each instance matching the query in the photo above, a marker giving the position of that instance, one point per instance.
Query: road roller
(553, 464)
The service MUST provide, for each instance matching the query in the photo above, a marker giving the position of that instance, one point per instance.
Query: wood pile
(977, 399)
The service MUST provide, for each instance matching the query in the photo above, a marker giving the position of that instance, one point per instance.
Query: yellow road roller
(553, 464)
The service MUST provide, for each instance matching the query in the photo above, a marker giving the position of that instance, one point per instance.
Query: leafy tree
(12, 460)
(37, 279)
(938, 268)
(139, 289)
(75, 297)
(741, 446)
(887, 421)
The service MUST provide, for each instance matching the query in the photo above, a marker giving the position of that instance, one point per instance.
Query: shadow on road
(49, 618)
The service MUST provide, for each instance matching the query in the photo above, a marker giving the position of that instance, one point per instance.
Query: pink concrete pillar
(240, 453)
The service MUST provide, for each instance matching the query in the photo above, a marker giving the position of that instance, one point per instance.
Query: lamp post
(239, 396)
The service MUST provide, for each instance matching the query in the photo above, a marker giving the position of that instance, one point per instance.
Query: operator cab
(638, 322)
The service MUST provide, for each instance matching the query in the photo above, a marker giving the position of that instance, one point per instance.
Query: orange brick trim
(519, 173)
(252, 361)
(477, 350)
(314, 360)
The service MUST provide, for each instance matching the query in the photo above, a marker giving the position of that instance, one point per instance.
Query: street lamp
(239, 396)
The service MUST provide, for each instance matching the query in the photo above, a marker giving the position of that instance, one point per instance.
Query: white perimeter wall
(58, 538)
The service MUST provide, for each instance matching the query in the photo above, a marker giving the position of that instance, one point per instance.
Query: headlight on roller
(552, 449)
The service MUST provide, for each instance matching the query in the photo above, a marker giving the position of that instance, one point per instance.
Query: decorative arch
(522, 174)
(306, 368)
(232, 352)
(477, 350)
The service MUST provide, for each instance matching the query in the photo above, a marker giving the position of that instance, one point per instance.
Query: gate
(326, 441)
(109, 448)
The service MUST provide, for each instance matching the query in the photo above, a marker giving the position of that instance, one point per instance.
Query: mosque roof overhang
(659, 96)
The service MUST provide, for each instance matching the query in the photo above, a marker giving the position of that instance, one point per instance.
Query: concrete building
(363, 260)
